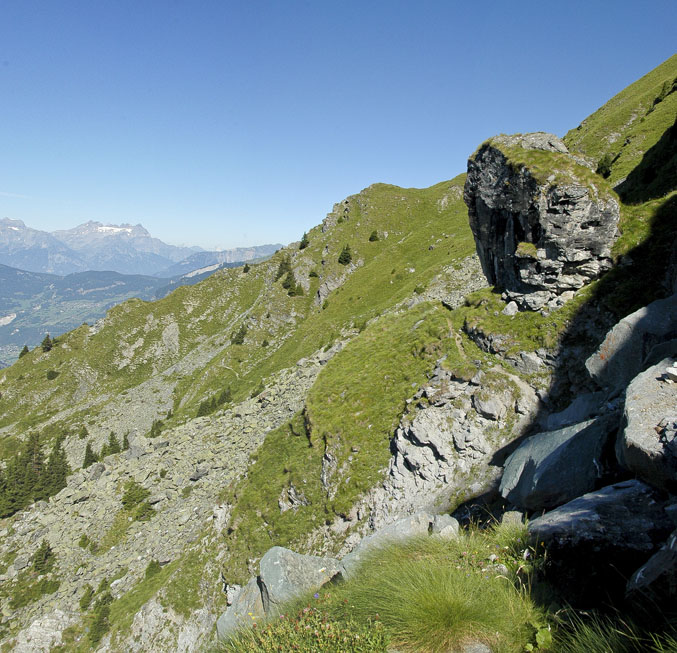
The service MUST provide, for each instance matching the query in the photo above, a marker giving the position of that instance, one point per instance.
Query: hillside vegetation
(263, 407)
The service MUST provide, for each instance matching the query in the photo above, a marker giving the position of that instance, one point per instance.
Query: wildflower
(316, 595)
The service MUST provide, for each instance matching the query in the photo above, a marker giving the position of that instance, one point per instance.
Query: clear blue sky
(233, 123)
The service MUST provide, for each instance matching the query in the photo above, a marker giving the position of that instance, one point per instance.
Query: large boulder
(538, 236)
(594, 543)
(647, 444)
(246, 608)
(626, 348)
(286, 575)
(549, 469)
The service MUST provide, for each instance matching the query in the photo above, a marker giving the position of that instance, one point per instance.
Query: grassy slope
(624, 126)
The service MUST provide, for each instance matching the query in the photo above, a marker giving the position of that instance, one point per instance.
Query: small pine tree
(604, 166)
(58, 469)
(225, 397)
(373, 236)
(113, 444)
(304, 241)
(86, 598)
(43, 558)
(289, 281)
(152, 569)
(246, 268)
(125, 442)
(204, 408)
(345, 256)
(90, 456)
(23, 352)
(47, 343)
(237, 337)
(283, 268)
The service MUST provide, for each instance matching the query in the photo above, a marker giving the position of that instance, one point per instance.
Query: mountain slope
(297, 403)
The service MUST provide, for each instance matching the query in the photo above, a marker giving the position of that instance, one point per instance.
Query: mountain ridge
(369, 367)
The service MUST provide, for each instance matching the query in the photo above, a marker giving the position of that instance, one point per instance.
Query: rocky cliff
(543, 224)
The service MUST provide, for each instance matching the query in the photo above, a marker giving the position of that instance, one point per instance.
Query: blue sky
(225, 124)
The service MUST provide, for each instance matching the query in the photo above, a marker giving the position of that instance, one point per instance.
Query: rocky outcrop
(442, 447)
(633, 343)
(647, 445)
(597, 541)
(286, 575)
(549, 469)
(538, 239)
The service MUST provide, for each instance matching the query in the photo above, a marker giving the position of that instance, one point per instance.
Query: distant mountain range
(35, 303)
(125, 248)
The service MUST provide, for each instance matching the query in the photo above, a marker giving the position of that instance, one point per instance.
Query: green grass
(351, 413)
(429, 594)
(625, 127)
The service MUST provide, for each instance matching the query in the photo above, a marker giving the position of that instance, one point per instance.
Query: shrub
(152, 569)
(90, 456)
(345, 256)
(373, 237)
(604, 166)
(134, 495)
(86, 598)
(43, 558)
(52, 374)
(313, 274)
(246, 268)
(237, 338)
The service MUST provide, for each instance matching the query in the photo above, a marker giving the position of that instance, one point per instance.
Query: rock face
(285, 575)
(549, 469)
(647, 445)
(538, 239)
(630, 344)
(597, 540)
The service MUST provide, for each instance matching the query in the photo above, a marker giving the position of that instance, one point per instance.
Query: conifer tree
(58, 468)
(23, 352)
(345, 256)
(47, 343)
(125, 442)
(90, 456)
(113, 444)
(43, 558)
(246, 268)
(304, 241)
(237, 337)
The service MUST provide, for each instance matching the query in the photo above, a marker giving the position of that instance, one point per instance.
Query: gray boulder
(626, 347)
(286, 575)
(549, 469)
(583, 407)
(246, 608)
(538, 239)
(647, 445)
(595, 542)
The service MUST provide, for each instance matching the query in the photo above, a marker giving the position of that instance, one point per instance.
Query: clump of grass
(437, 595)
(595, 633)
(428, 594)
